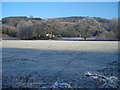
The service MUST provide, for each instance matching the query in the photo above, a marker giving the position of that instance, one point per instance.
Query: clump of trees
(87, 27)
(25, 30)
(37, 30)
(9, 30)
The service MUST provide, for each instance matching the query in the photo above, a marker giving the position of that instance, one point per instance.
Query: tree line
(34, 28)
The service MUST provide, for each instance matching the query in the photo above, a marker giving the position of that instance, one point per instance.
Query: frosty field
(40, 63)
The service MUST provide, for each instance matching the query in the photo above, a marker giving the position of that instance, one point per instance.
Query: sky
(60, 0)
(60, 9)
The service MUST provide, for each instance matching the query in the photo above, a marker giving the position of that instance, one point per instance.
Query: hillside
(76, 19)
(76, 26)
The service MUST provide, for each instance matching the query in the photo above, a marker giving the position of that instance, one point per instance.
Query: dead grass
(3, 35)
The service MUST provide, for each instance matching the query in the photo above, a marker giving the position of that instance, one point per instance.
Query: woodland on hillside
(37, 28)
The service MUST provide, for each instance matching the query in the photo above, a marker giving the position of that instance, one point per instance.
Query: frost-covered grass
(62, 45)
(28, 63)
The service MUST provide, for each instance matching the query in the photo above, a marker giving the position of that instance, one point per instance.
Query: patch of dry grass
(3, 35)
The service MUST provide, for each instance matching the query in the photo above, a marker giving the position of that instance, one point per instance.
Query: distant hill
(15, 20)
(78, 18)
(74, 19)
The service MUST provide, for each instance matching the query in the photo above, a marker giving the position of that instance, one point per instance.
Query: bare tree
(114, 27)
(25, 30)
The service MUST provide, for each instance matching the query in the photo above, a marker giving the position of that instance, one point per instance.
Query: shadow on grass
(47, 66)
